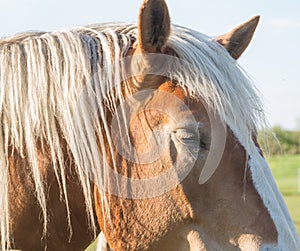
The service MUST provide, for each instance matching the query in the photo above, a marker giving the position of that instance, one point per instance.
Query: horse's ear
(153, 26)
(237, 40)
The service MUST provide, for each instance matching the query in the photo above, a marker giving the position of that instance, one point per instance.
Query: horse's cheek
(148, 220)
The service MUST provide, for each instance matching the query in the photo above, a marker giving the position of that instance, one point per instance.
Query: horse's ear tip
(255, 20)
(153, 1)
(146, 3)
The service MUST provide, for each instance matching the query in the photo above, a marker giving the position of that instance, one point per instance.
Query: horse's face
(188, 215)
(170, 130)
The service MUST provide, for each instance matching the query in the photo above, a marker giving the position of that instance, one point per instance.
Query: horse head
(189, 182)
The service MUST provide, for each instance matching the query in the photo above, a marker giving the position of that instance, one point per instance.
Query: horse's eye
(186, 135)
(189, 136)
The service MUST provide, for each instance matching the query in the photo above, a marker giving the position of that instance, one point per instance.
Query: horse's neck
(25, 211)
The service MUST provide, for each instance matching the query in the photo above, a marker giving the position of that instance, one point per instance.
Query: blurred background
(272, 60)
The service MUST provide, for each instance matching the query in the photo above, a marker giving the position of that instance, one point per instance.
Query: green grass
(92, 247)
(285, 171)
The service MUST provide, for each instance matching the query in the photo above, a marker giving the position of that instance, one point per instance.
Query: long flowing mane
(43, 77)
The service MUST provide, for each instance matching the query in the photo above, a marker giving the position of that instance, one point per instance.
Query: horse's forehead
(175, 90)
(196, 106)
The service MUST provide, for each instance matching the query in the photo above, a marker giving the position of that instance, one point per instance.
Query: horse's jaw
(193, 237)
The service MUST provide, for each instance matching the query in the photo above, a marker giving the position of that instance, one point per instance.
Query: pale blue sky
(272, 60)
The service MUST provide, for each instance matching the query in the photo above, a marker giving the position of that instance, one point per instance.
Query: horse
(147, 133)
